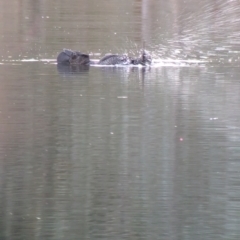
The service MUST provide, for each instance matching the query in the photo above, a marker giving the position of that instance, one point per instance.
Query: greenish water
(120, 152)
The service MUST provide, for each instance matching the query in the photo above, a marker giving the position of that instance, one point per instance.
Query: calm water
(120, 152)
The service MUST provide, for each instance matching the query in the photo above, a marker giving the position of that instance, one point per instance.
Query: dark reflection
(72, 69)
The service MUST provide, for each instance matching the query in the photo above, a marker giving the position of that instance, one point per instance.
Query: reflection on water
(72, 69)
(119, 152)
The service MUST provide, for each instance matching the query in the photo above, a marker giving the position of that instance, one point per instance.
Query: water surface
(120, 152)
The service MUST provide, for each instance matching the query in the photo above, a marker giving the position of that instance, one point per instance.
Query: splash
(157, 62)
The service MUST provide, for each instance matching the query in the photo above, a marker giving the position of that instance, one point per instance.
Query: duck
(70, 57)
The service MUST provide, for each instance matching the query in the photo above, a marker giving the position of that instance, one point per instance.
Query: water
(120, 152)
